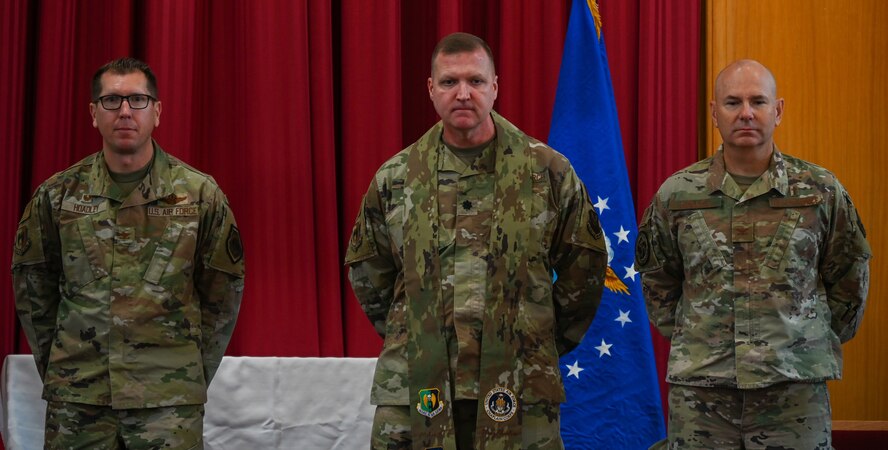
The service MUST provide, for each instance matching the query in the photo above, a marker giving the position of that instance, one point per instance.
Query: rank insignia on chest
(500, 404)
(430, 403)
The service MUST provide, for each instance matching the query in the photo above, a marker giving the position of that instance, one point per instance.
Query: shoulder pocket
(587, 230)
(646, 254)
(361, 245)
(228, 256)
(28, 246)
(228, 253)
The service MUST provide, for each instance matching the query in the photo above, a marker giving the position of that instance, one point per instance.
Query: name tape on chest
(84, 207)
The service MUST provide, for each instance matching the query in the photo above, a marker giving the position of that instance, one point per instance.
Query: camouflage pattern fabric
(128, 302)
(753, 288)
(541, 430)
(783, 416)
(539, 219)
(76, 425)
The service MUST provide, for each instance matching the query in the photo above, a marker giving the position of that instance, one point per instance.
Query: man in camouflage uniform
(128, 272)
(452, 257)
(755, 264)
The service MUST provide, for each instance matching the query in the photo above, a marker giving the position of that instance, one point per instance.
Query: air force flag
(613, 399)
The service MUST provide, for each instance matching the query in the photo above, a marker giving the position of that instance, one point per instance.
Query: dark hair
(461, 43)
(123, 66)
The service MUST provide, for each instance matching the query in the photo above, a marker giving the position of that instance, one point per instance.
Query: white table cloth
(254, 403)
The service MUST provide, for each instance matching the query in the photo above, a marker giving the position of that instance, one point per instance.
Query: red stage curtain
(292, 105)
(17, 104)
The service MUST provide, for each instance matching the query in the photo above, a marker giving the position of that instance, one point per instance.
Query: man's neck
(128, 162)
(748, 161)
(470, 138)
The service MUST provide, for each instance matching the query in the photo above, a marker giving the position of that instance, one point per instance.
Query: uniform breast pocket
(794, 246)
(699, 246)
(174, 252)
(82, 255)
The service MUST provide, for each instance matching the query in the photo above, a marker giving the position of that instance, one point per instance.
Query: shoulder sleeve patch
(233, 245)
(855, 217)
(362, 245)
(587, 230)
(28, 245)
(228, 252)
(646, 258)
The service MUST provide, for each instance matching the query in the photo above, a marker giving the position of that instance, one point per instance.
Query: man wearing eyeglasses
(128, 275)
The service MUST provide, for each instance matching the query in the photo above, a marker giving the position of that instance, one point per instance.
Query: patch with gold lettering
(233, 245)
(500, 404)
(22, 241)
(173, 211)
(430, 403)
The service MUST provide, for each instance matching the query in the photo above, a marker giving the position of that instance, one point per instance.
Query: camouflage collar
(774, 178)
(484, 163)
(158, 183)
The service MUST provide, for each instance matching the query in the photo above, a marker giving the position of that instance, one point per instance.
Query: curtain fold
(292, 106)
(668, 108)
(369, 130)
(15, 91)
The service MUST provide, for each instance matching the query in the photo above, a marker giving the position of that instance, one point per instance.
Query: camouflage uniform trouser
(786, 416)
(540, 430)
(81, 426)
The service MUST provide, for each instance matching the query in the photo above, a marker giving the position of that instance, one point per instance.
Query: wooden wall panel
(829, 59)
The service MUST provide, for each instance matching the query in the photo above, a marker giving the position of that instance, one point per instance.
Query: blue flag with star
(613, 399)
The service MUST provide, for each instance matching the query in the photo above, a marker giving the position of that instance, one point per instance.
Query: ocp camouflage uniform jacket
(128, 302)
(753, 288)
(563, 216)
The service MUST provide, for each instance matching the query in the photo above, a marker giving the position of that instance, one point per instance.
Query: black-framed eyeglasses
(136, 101)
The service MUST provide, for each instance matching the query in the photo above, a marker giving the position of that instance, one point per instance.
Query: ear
(157, 108)
(495, 86)
(779, 111)
(92, 113)
(430, 84)
(712, 113)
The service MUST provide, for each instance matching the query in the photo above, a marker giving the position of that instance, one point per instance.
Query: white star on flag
(622, 235)
(575, 369)
(630, 272)
(624, 317)
(601, 205)
(604, 349)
